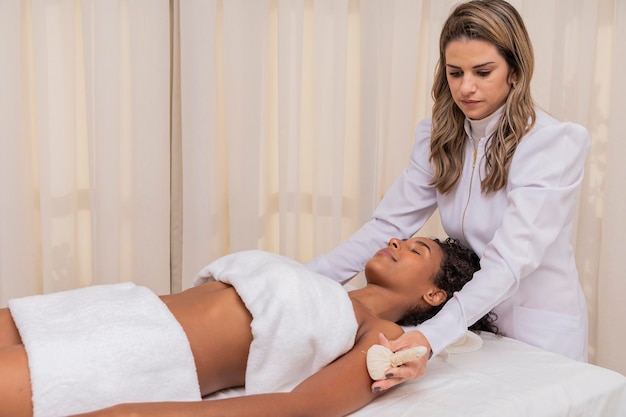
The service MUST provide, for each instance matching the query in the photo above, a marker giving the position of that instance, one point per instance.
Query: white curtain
(84, 144)
(141, 139)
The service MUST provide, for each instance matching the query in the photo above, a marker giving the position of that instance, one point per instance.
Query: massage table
(484, 375)
(504, 377)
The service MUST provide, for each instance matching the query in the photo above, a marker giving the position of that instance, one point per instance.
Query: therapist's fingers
(406, 341)
(410, 370)
(395, 376)
(382, 339)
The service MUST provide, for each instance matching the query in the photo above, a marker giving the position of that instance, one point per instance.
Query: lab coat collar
(479, 129)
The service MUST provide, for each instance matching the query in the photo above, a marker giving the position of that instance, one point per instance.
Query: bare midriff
(217, 325)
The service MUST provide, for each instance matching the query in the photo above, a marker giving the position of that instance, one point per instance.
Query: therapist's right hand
(410, 370)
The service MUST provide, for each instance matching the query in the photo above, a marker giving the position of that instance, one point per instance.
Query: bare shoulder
(371, 326)
(345, 385)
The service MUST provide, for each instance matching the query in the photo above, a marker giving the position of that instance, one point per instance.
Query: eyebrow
(474, 67)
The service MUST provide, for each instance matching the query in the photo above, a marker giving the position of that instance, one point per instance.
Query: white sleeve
(544, 179)
(407, 205)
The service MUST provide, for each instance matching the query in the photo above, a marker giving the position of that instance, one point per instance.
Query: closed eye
(421, 244)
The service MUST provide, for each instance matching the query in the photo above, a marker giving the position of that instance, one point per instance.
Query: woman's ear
(512, 79)
(435, 296)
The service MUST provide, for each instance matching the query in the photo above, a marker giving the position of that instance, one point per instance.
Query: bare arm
(336, 390)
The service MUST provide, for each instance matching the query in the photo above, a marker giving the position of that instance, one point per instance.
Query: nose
(468, 85)
(394, 243)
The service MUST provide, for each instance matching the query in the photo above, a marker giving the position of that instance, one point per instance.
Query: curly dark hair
(458, 265)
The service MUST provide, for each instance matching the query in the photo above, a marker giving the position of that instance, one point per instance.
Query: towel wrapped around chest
(301, 322)
(97, 346)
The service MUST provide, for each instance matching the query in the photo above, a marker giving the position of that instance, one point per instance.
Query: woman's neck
(479, 129)
(379, 301)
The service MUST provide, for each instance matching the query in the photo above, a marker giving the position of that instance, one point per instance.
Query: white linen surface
(506, 378)
(301, 320)
(503, 378)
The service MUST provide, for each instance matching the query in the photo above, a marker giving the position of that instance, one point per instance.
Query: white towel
(97, 346)
(302, 321)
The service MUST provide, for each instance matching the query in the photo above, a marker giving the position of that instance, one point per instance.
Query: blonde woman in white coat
(505, 177)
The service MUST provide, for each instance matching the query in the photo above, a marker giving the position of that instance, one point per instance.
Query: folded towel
(301, 322)
(97, 346)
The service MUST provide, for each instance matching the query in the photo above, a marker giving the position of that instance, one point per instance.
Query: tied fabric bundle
(380, 358)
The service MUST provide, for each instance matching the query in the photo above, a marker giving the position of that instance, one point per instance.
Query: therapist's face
(479, 77)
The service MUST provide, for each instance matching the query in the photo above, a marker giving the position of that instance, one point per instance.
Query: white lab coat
(521, 233)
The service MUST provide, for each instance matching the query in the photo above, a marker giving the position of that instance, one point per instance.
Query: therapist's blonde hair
(496, 22)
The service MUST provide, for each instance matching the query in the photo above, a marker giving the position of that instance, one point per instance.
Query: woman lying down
(296, 340)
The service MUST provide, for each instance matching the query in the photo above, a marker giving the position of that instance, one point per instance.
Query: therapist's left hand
(410, 370)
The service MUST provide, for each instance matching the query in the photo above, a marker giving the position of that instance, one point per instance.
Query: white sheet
(503, 378)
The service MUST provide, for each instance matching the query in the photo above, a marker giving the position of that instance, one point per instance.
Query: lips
(386, 252)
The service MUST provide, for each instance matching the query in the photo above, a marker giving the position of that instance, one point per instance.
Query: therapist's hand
(410, 370)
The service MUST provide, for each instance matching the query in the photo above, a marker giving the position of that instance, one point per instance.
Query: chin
(473, 115)
(371, 271)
